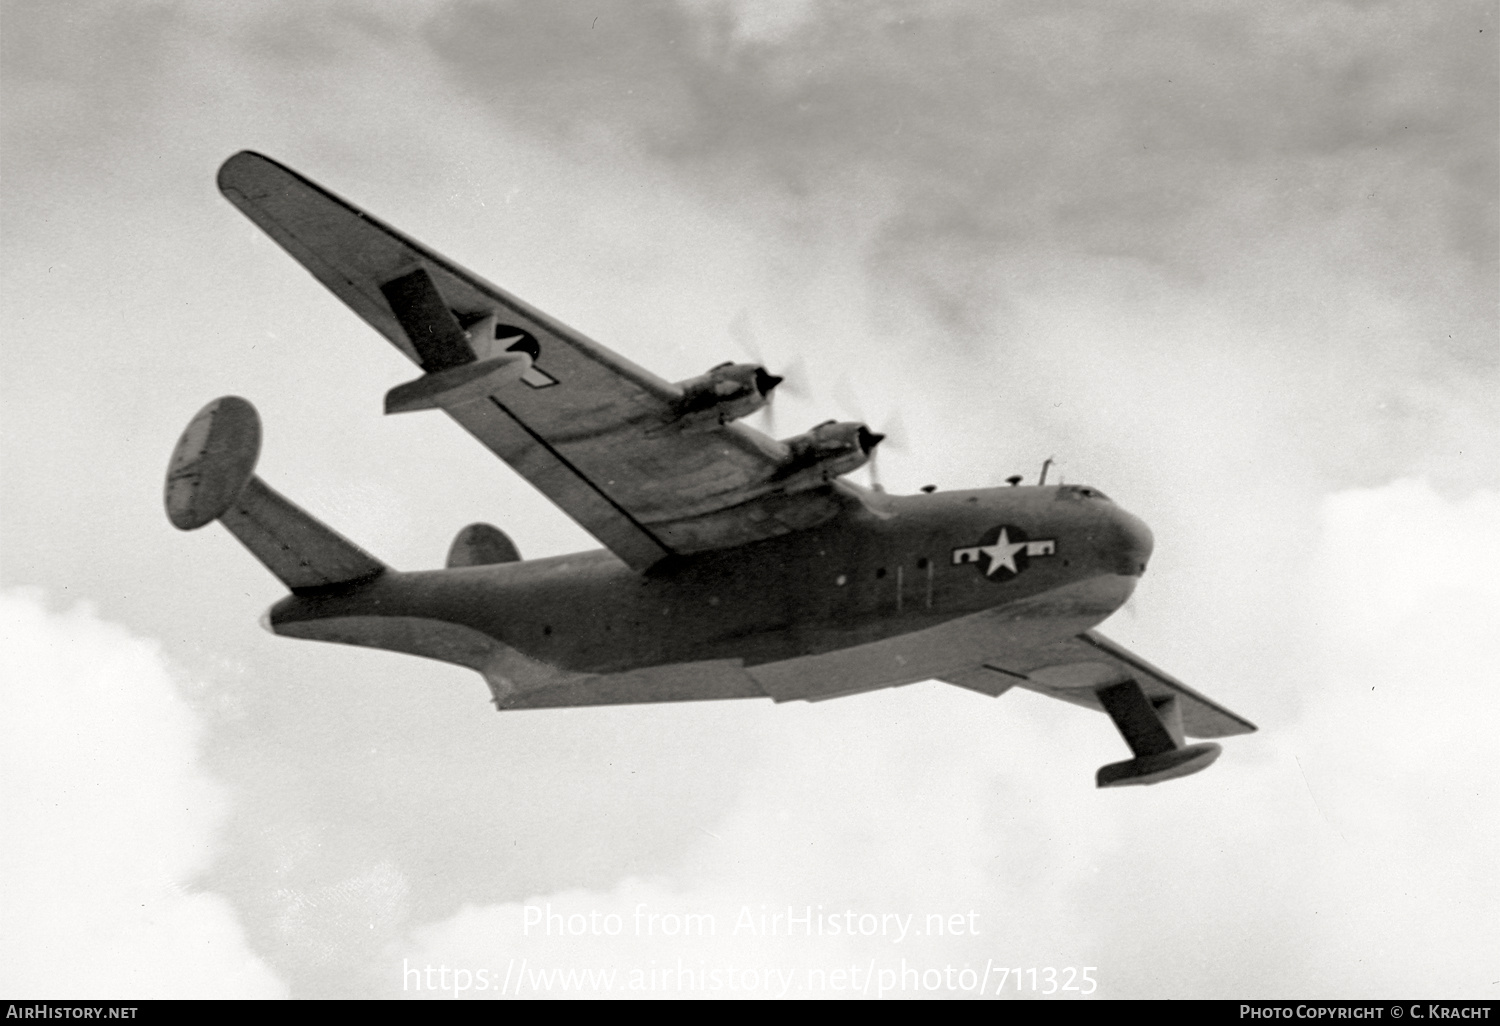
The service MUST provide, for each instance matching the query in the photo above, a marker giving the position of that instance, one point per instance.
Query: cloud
(108, 821)
(1012, 129)
(1308, 190)
(1398, 744)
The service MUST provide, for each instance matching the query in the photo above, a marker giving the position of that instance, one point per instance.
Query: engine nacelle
(826, 452)
(728, 392)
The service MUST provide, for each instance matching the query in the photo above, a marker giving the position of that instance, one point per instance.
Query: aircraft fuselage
(886, 566)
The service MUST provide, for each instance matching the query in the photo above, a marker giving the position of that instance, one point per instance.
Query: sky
(1232, 263)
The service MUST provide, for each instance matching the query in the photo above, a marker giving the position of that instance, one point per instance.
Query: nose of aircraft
(1136, 543)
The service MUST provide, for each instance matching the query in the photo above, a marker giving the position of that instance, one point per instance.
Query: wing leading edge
(588, 428)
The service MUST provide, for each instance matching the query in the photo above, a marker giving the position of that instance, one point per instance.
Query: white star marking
(1002, 553)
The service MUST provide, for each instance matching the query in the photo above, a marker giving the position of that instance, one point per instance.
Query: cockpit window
(1081, 492)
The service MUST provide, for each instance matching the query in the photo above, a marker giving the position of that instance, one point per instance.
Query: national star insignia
(1002, 553)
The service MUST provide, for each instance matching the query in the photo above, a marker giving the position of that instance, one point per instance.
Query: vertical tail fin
(212, 477)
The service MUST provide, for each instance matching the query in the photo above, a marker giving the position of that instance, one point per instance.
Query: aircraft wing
(588, 428)
(1074, 669)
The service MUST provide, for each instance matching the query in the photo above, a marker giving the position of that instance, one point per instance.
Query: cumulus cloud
(108, 821)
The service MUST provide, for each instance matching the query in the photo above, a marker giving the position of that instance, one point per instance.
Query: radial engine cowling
(827, 451)
(728, 392)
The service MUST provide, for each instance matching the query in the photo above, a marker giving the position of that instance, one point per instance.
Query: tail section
(212, 477)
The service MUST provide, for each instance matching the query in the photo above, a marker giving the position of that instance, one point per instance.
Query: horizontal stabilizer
(295, 546)
(211, 477)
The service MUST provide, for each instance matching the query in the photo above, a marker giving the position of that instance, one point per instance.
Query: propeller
(765, 381)
(789, 382)
(895, 436)
(892, 428)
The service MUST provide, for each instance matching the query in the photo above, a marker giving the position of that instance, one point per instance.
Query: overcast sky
(1233, 263)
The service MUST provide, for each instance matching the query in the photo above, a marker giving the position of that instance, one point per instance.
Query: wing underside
(1077, 668)
(586, 427)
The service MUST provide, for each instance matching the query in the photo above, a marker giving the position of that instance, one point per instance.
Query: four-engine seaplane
(734, 565)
